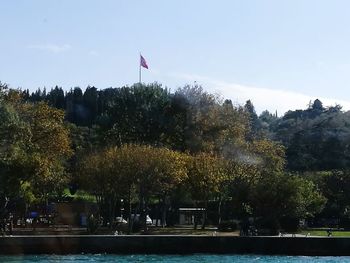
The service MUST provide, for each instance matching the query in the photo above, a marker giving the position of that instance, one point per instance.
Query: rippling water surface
(169, 258)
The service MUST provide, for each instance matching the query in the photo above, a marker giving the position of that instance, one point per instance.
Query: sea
(168, 258)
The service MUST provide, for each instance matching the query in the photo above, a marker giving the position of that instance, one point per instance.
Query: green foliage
(27, 192)
(268, 122)
(205, 124)
(142, 143)
(205, 174)
(137, 114)
(288, 196)
(129, 172)
(254, 121)
(334, 185)
(316, 138)
(34, 145)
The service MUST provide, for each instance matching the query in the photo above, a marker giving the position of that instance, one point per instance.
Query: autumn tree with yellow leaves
(132, 172)
(35, 148)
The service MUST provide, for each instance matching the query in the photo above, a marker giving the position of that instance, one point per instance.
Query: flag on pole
(143, 62)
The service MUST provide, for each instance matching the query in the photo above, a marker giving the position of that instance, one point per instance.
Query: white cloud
(262, 98)
(273, 99)
(52, 47)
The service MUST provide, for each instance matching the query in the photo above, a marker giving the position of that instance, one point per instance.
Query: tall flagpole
(140, 68)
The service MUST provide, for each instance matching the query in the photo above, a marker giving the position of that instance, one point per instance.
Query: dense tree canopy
(34, 147)
(132, 171)
(145, 145)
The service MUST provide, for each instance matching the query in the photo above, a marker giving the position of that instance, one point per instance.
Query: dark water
(169, 258)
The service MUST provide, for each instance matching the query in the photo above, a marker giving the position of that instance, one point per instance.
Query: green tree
(206, 174)
(136, 114)
(44, 145)
(254, 122)
(204, 123)
(129, 172)
(287, 197)
(334, 186)
(13, 135)
(33, 147)
(268, 123)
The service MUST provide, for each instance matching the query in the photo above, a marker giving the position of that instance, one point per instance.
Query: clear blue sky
(279, 53)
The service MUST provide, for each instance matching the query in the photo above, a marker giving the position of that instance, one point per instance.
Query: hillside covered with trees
(154, 148)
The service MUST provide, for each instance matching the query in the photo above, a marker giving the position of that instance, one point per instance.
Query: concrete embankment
(69, 244)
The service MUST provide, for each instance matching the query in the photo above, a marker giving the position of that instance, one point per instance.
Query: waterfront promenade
(171, 244)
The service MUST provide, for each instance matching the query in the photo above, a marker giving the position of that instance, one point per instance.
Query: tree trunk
(219, 210)
(205, 214)
(145, 212)
(112, 209)
(158, 211)
(196, 217)
(164, 206)
(130, 222)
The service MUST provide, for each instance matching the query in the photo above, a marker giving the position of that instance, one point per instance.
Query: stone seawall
(68, 244)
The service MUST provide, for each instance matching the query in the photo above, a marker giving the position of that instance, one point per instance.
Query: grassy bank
(323, 233)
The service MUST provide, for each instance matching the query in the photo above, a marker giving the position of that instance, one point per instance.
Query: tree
(334, 186)
(246, 166)
(34, 145)
(204, 123)
(316, 138)
(288, 197)
(44, 148)
(13, 137)
(75, 110)
(98, 176)
(254, 121)
(90, 99)
(317, 106)
(159, 175)
(125, 173)
(268, 122)
(205, 176)
(55, 98)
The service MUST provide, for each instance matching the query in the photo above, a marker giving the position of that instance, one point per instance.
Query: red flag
(143, 62)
